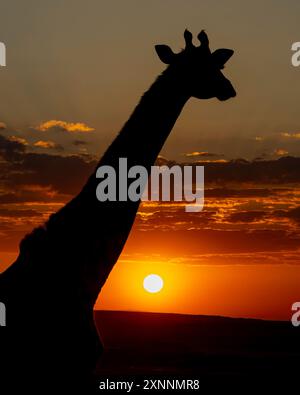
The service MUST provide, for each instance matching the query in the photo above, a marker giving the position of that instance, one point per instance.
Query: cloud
(226, 192)
(247, 216)
(249, 205)
(283, 170)
(47, 144)
(19, 213)
(291, 135)
(281, 152)
(63, 174)
(212, 161)
(32, 195)
(66, 126)
(2, 125)
(210, 241)
(293, 214)
(200, 153)
(10, 149)
(20, 140)
(258, 138)
(79, 142)
(205, 157)
(243, 258)
(222, 172)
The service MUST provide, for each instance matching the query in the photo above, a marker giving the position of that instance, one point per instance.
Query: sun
(153, 283)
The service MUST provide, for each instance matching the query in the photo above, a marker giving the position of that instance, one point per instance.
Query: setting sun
(153, 283)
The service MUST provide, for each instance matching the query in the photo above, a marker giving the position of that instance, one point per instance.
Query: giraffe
(50, 290)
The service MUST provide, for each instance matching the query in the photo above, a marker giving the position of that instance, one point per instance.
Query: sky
(91, 61)
(76, 70)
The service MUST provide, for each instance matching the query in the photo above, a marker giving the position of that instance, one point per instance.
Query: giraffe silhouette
(50, 290)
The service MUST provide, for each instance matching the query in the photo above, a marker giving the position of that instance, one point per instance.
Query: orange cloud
(67, 126)
(2, 125)
(291, 135)
(16, 139)
(200, 153)
(280, 152)
(46, 144)
(213, 161)
(195, 153)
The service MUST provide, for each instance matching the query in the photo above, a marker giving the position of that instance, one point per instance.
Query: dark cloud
(284, 170)
(293, 214)
(79, 142)
(45, 178)
(246, 216)
(241, 192)
(11, 150)
(64, 174)
(19, 213)
(32, 196)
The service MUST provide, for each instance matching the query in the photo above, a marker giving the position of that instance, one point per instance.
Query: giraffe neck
(144, 134)
(140, 141)
(86, 237)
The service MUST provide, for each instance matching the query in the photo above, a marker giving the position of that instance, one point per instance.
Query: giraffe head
(197, 70)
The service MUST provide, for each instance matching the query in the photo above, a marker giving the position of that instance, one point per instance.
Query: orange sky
(74, 75)
(239, 257)
(261, 291)
(227, 266)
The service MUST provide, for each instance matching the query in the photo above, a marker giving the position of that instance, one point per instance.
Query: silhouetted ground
(218, 351)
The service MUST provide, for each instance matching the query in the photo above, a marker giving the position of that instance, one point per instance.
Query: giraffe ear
(220, 56)
(165, 53)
